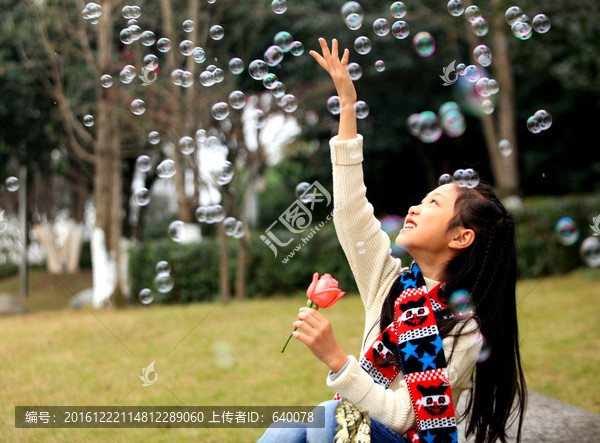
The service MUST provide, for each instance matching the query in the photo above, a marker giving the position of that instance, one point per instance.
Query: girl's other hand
(337, 69)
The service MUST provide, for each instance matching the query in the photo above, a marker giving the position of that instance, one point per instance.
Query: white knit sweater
(368, 250)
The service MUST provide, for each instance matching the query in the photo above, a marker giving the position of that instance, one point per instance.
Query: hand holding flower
(322, 293)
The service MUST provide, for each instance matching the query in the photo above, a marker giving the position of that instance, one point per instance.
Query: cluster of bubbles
(522, 26)
(92, 12)
(568, 233)
(472, 14)
(233, 227)
(163, 282)
(223, 173)
(210, 214)
(428, 126)
(539, 121)
(464, 178)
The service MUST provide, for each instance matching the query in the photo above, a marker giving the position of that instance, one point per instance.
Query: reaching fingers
(334, 49)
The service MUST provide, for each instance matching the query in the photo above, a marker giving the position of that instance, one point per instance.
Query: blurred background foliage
(559, 169)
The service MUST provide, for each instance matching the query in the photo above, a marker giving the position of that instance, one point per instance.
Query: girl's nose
(413, 210)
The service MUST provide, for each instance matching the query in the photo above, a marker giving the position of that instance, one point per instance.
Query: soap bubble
(470, 178)
(459, 178)
(544, 118)
(145, 296)
(381, 27)
(162, 266)
(297, 48)
(224, 173)
(289, 103)
(127, 74)
(567, 231)
(237, 99)
(424, 44)
(445, 179)
(460, 303)
(301, 195)
(163, 44)
(590, 252)
(362, 109)
(485, 351)
(147, 38)
(284, 40)
(273, 55)
(138, 106)
(278, 90)
(12, 184)
(522, 28)
(505, 147)
(483, 55)
(472, 13)
(233, 227)
(88, 120)
(429, 129)
(220, 111)
(106, 81)
(258, 69)
(143, 163)
(216, 214)
(333, 104)
(351, 8)
(236, 65)
(533, 125)
(355, 71)
(413, 123)
(175, 230)
(176, 76)
(362, 45)
(487, 106)
(398, 9)
(379, 65)
(512, 14)
(187, 145)
(186, 47)
(126, 36)
(480, 27)
(541, 23)
(354, 21)
(216, 32)
(166, 169)
(400, 29)
(452, 119)
(187, 79)
(164, 282)
(471, 73)
(279, 6)
(455, 7)
(199, 55)
(141, 196)
(188, 25)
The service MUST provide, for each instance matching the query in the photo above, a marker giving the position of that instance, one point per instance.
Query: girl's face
(426, 225)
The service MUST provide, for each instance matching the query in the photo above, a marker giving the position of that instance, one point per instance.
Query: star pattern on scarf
(429, 438)
(437, 342)
(427, 361)
(409, 350)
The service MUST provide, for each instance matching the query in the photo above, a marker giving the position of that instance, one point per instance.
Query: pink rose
(322, 293)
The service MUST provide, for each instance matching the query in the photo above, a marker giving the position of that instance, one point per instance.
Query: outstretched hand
(338, 70)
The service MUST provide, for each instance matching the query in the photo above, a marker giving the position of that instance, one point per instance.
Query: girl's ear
(462, 238)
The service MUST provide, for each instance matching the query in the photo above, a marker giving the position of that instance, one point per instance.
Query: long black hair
(488, 270)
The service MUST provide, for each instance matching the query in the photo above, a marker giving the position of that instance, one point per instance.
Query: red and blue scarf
(415, 337)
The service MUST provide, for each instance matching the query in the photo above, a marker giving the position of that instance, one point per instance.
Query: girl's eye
(434, 201)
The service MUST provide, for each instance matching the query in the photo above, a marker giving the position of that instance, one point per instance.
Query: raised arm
(365, 245)
(338, 70)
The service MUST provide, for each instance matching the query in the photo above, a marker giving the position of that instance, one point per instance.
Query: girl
(417, 357)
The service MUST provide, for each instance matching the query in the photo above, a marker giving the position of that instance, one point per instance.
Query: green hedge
(195, 268)
(539, 249)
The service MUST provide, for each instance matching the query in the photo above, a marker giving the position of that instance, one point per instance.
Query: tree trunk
(224, 285)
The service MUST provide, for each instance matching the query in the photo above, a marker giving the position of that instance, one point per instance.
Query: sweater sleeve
(366, 246)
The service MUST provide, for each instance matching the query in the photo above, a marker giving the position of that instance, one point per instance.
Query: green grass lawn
(211, 354)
